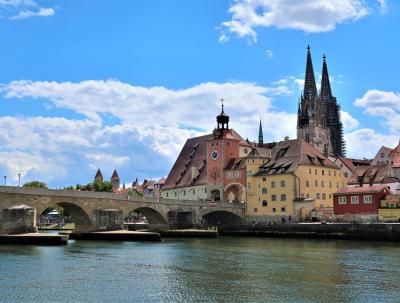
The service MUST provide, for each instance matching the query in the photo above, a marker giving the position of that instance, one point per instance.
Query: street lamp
(19, 179)
(5, 180)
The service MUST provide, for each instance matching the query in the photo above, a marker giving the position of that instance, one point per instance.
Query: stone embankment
(371, 232)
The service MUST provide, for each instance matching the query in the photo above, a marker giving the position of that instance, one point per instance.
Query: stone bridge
(84, 207)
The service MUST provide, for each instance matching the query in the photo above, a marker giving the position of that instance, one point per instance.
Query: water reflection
(206, 270)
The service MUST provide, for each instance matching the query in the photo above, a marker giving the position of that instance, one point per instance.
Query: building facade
(318, 118)
(288, 173)
(210, 167)
(359, 203)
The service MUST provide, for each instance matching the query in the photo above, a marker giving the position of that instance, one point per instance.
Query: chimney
(371, 180)
(361, 180)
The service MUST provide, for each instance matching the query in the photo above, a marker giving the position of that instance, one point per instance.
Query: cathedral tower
(318, 117)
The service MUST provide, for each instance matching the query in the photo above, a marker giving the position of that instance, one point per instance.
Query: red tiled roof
(192, 155)
(361, 190)
(378, 173)
(286, 156)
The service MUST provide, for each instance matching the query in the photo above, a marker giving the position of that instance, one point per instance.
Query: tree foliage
(35, 184)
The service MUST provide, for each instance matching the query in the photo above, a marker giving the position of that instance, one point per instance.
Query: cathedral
(318, 118)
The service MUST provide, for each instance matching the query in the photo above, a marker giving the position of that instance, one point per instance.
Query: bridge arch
(78, 215)
(152, 215)
(221, 217)
(235, 192)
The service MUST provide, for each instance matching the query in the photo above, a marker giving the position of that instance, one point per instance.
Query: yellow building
(278, 174)
(389, 209)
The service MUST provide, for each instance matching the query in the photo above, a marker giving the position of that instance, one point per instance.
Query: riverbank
(350, 231)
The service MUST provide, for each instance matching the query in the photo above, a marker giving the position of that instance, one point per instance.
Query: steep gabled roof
(192, 155)
(287, 155)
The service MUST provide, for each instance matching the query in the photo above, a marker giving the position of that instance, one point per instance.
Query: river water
(202, 270)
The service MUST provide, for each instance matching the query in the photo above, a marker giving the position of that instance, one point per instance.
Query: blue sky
(123, 84)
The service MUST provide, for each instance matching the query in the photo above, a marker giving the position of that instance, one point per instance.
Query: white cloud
(366, 142)
(23, 9)
(269, 53)
(308, 16)
(383, 104)
(348, 121)
(150, 125)
(42, 12)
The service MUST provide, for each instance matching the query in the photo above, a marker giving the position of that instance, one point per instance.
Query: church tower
(318, 116)
(260, 135)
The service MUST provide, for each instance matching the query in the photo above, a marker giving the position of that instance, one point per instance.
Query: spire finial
(260, 134)
(222, 105)
(308, 47)
(310, 88)
(326, 92)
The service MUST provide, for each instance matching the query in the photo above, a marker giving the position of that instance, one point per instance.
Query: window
(264, 203)
(316, 172)
(323, 196)
(283, 197)
(283, 209)
(334, 173)
(316, 183)
(330, 184)
(329, 172)
(229, 175)
(337, 184)
(237, 174)
(282, 183)
(194, 191)
(255, 209)
(307, 184)
(354, 199)
(167, 195)
(382, 155)
(248, 185)
(245, 151)
(318, 196)
(308, 195)
(274, 210)
(368, 199)
(323, 172)
(309, 171)
(184, 192)
(175, 194)
(273, 197)
(346, 175)
(264, 190)
(264, 179)
(273, 184)
(322, 183)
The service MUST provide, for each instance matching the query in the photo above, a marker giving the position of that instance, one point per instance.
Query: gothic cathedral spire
(326, 93)
(310, 87)
(260, 135)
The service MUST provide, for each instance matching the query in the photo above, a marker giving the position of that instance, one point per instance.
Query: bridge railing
(113, 196)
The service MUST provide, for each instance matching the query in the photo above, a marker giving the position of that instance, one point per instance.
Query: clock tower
(221, 148)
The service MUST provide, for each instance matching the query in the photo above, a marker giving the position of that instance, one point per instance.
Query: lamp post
(5, 180)
(19, 179)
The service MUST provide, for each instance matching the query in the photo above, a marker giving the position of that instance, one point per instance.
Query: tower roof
(98, 174)
(260, 134)
(326, 92)
(114, 175)
(310, 87)
(222, 118)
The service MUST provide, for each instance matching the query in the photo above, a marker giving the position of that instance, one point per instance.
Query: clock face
(214, 154)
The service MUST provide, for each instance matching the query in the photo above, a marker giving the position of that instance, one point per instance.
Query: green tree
(35, 184)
